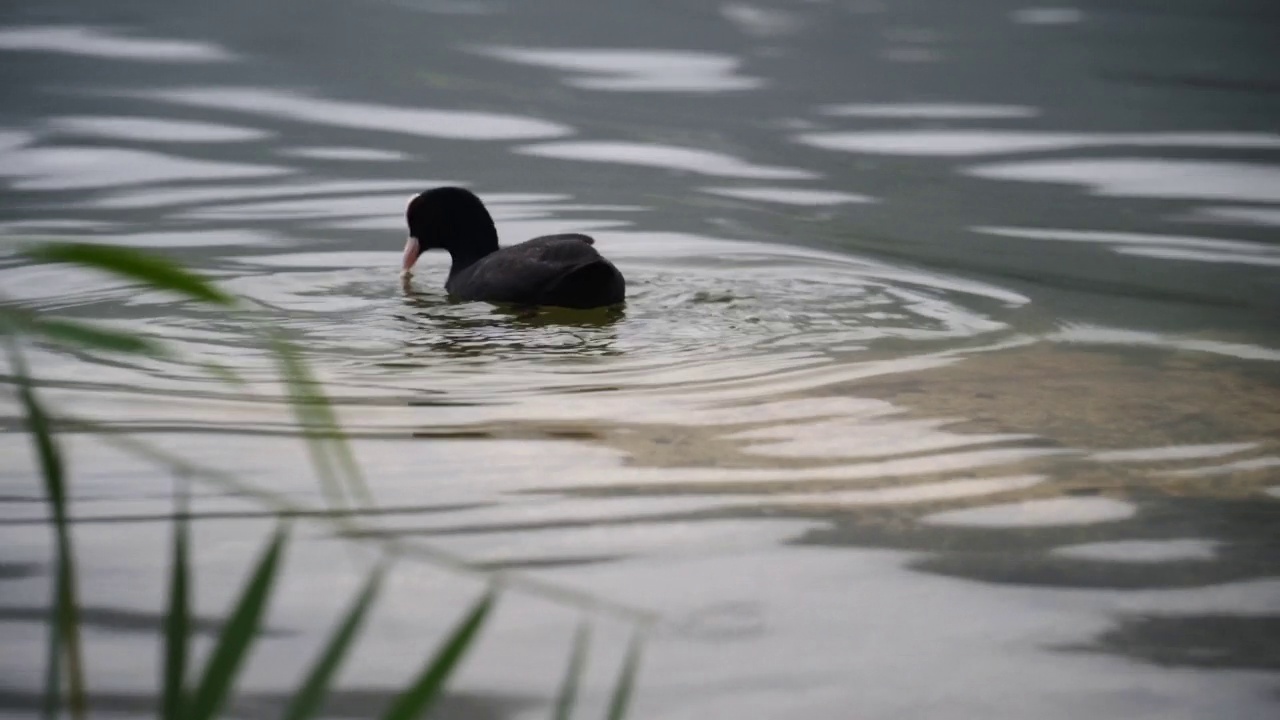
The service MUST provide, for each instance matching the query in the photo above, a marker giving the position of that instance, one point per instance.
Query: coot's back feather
(562, 270)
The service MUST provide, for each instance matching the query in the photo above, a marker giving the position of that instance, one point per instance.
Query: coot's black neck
(467, 254)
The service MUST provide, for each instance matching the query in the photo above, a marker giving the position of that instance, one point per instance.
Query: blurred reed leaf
(224, 373)
(626, 681)
(154, 271)
(427, 689)
(327, 445)
(64, 642)
(237, 635)
(341, 478)
(77, 334)
(568, 694)
(52, 706)
(177, 623)
(311, 695)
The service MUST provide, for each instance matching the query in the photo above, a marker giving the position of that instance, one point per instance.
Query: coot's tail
(594, 284)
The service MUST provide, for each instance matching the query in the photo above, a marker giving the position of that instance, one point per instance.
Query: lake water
(948, 384)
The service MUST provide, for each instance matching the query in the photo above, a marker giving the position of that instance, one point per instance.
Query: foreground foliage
(185, 692)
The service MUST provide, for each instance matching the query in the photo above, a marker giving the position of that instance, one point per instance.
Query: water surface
(947, 385)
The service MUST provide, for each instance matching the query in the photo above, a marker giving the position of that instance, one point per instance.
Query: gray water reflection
(1168, 247)
(428, 122)
(880, 430)
(102, 43)
(67, 168)
(152, 129)
(788, 196)
(685, 159)
(636, 70)
(1149, 177)
(931, 111)
(962, 143)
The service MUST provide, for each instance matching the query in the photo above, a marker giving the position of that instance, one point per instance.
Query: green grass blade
(308, 699)
(96, 338)
(177, 624)
(65, 620)
(568, 694)
(325, 418)
(327, 444)
(152, 270)
(301, 392)
(626, 681)
(415, 701)
(52, 704)
(237, 635)
(225, 374)
(71, 332)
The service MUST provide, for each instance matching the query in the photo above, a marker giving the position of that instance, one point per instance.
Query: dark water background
(948, 384)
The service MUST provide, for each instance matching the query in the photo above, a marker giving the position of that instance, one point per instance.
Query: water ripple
(97, 42)
(424, 122)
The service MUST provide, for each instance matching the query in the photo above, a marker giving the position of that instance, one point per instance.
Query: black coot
(558, 270)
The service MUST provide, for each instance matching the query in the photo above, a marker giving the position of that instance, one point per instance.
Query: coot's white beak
(412, 249)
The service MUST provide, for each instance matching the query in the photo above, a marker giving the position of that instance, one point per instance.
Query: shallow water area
(939, 390)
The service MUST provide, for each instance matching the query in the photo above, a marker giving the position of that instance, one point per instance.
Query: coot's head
(451, 218)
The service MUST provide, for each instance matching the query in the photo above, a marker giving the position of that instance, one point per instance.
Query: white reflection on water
(1249, 465)
(1168, 247)
(1037, 513)
(959, 143)
(160, 197)
(96, 42)
(1167, 253)
(911, 54)
(424, 122)
(1148, 177)
(1244, 215)
(66, 168)
(184, 239)
(150, 129)
(21, 226)
(10, 139)
(1047, 16)
(789, 196)
(1172, 452)
(353, 154)
(1097, 335)
(760, 20)
(636, 70)
(931, 111)
(671, 157)
(453, 7)
(389, 205)
(1143, 551)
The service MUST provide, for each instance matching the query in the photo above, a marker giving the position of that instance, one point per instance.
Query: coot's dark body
(557, 270)
(560, 270)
